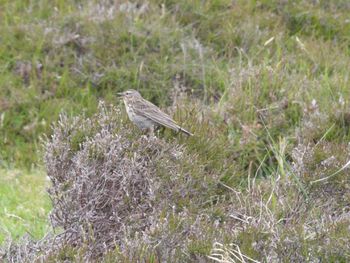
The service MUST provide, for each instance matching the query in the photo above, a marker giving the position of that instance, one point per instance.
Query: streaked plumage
(145, 114)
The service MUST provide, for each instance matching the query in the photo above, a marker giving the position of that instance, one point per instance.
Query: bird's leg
(150, 131)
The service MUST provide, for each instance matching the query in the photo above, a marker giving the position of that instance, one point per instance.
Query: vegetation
(263, 85)
(24, 204)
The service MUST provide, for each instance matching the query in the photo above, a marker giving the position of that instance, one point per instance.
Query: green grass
(256, 81)
(24, 204)
(216, 52)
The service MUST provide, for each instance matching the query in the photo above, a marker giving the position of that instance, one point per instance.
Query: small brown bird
(145, 114)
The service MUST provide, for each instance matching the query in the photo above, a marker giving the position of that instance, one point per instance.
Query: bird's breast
(140, 121)
(129, 111)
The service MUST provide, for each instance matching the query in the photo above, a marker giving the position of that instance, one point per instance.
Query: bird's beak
(120, 94)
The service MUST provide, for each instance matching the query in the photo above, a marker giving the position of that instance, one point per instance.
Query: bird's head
(129, 94)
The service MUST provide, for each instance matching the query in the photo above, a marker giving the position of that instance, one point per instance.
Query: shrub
(113, 189)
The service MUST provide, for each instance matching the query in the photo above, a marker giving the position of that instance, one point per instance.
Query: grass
(264, 85)
(24, 204)
(73, 59)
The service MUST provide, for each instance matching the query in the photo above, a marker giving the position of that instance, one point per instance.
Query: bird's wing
(151, 111)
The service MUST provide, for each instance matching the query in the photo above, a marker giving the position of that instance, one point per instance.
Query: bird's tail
(186, 132)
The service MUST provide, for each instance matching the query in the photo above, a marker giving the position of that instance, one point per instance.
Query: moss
(248, 239)
(66, 253)
(199, 248)
(77, 139)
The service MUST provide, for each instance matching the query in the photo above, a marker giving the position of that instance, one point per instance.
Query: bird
(146, 115)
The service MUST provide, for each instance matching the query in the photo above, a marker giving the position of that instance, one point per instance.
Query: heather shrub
(113, 187)
(121, 196)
